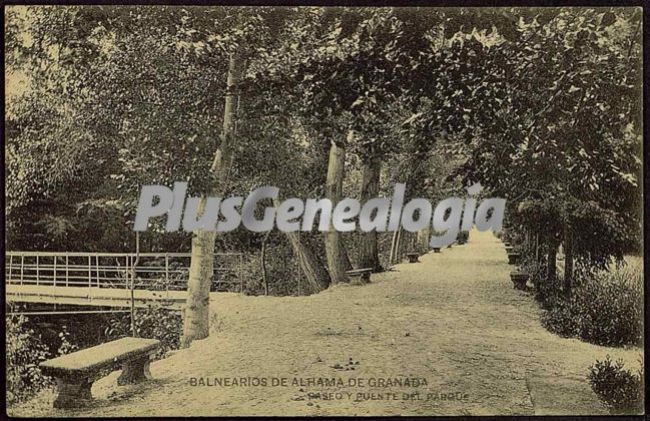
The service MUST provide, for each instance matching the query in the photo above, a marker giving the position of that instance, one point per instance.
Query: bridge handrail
(62, 269)
(101, 254)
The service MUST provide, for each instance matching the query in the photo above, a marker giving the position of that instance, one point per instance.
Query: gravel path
(453, 320)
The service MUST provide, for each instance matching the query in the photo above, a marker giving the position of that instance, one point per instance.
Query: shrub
(606, 309)
(66, 346)
(560, 319)
(547, 291)
(619, 388)
(24, 351)
(154, 322)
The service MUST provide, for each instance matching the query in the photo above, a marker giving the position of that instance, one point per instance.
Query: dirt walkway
(452, 319)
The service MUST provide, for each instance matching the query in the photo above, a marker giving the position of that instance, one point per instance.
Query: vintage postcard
(323, 211)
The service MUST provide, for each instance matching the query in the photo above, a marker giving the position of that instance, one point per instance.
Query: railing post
(54, 274)
(97, 269)
(90, 273)
(22, 264)
(166, 272)
(241, 275)
(11, 264)
(127, 271)
(66, 269)
(134, 270)
(37, 274)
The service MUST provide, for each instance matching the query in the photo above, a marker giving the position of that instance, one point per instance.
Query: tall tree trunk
(347, 263)
(395, 252)
(413, 241)
(265, 280)
(398, 245)
(311, 266)
(368, 250)
(314, 271)
(568, 260)
(393, 248)
(551, 264)
(196, 313)
(423, 239)
(334, 190)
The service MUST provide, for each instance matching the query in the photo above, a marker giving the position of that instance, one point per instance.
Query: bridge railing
(154, 271)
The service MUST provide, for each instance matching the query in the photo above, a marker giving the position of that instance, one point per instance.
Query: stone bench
(513, 258)
(76, 372)
(413, 257)
(359, 276)
(436, 249)
(519, 279)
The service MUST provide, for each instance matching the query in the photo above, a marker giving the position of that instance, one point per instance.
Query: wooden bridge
(110, 279)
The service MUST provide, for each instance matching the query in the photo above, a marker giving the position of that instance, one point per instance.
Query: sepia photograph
(217, 211)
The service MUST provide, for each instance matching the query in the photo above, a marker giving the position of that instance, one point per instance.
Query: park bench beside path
(76, 372)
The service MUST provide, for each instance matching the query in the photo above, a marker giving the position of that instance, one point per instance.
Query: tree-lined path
(453, 319)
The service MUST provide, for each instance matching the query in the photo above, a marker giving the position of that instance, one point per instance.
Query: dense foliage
(24, 351)
(573, 151)
(619, 388)
(120, 97)
(153, 322)
(606, 307)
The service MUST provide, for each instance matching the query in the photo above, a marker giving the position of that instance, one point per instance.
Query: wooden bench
(413, 257)
(359, 276)
(76, 372)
